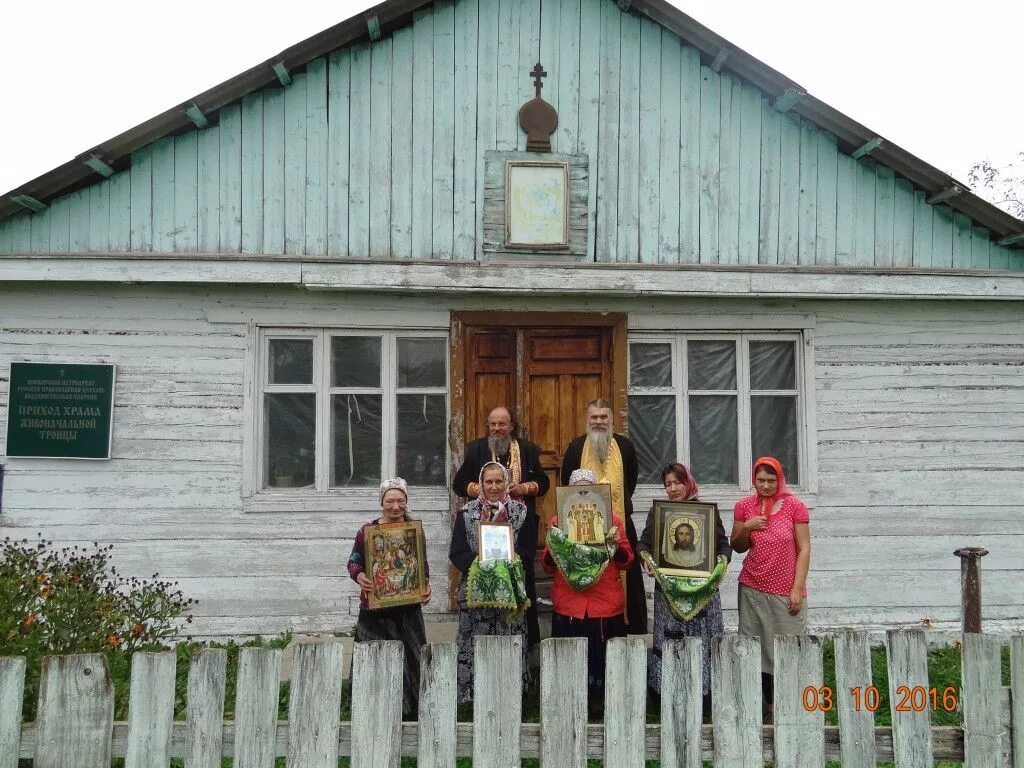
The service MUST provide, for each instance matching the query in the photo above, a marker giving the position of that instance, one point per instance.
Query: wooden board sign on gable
(57, 410)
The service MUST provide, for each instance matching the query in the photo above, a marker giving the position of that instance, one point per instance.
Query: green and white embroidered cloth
(685, 596)
(498, 584)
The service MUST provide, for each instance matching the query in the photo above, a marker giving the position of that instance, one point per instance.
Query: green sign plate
(60, 411)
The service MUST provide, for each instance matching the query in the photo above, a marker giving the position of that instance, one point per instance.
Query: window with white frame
(346, 408)
(716, 402)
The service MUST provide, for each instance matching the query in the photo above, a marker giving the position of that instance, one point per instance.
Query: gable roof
(386, 16)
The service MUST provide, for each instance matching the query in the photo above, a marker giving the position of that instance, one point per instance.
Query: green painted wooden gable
(376, 151)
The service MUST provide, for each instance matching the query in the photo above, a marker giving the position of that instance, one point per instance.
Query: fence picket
(681, 702)
(12, 689)
(981, 695)
(438, 702)
(376, 704)
(736, 701)
(1017, 696)
(75, 713)
(625, 681)
(150, 710)
(259, 672)
(563, 702)
(856, 720)
(908, 673)
(799, 730)
(314, 705)
(204, 728)
(497, 701)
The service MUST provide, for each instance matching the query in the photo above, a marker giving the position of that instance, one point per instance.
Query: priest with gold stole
(612, 459)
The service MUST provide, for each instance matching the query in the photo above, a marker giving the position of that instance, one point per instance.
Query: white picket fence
(75, 726)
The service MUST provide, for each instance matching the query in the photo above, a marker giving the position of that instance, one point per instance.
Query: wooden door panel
(490, 375)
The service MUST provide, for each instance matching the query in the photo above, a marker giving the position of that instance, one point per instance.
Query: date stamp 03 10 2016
(910, 699)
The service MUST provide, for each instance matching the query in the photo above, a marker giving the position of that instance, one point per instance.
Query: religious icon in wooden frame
(684, 534)
(395, 559)
(585, 512)
(537, 204)
(494, 541)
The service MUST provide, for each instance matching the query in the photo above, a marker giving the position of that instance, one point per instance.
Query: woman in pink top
(772, 528)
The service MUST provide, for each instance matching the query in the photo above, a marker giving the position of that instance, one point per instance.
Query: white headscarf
(394, 484)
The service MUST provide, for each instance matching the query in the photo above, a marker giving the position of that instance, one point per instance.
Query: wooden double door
(547, 366)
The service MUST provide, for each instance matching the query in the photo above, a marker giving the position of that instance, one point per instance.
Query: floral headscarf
(394, 484)
(685, 476)
(505, 498)
(582, 476)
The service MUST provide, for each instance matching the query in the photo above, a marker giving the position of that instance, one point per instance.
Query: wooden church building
(328, 269)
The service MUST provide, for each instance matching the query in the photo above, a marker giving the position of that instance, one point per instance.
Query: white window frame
(259, 497)
(804, 393)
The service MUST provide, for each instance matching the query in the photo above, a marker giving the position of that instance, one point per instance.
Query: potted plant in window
(285, 468)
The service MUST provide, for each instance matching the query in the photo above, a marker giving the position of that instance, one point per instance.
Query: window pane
(355, 361)
(421, 362)
(421, 433)
(652, 428)
(357, 440)
(772, 365)
(713, 441)
(711, 364)
(650, 365)
(773, 432)
(290, 431)
(291, 361)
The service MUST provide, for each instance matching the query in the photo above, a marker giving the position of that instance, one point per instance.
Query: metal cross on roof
(538, 72)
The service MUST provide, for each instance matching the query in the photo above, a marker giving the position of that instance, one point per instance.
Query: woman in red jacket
(587, 594)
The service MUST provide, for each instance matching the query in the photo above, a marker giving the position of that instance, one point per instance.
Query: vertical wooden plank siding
(438, 704)
(204, 727)
(60, 224)
(1017, 695)
(961, 241)
(590, 94)
(681, 702)
(150, 710)
(710, 128)
(608, 135)
(486, 103)
(856, 724)
(750, 174)
(401, 143)
(509, 14)
(230, 179)
(903, 225)
(628, 219)
(75, 712)
(443, 161)
(466, 153)
(186, 192)
(980, 246)
(163, 195)
(422, 136)
(273, 170)
(649, 166)
(808, 216)
(999, 257)
(99, 222)
(625, 684)
(497, 670)
(922, 231)
(799, 734)
(208, 208)
(689, 155)
(317, 157)
(120, 235)
(668, 204)
(79, 221)
(360, 150)
(40, 222)
(295, 165)
(864, 217)
(338, 71)
(252, 173)
(885, 192)
(529, 55)
(21, 231)
(567, 71)
(315, 701)
(736, 701)
(12, 689)
(982, 699)
(5, 236)
(563, 702)
(789, 189)
(379, 150)
(771, 140)
(729, 172)
(827, 213)
(908, 669)
(942, 236)
(259, 672)
(549, 56)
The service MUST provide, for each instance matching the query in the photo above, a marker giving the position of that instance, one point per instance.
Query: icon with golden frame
(395, 560)
(585, 512)
(684, 532)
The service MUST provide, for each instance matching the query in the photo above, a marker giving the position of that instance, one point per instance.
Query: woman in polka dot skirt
(772, 528)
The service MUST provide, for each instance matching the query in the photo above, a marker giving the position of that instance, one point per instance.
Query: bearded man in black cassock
(522, 459)
(612, 459)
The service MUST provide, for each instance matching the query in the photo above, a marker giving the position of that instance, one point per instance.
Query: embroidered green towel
(686, 597)
(498, 584)
(580, 564)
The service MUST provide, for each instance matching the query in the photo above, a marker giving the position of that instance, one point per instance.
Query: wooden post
(204, 728)
(625, 681)
(150, 710)
(75, 713)
(12, 689)
(259, 672)
(736, 701)
(799, 729)
(314, 703)
(438, 706)
(563, 702)
(908, 678)
(970, 587)
(376, 704)
(981, 695)
(856, 719)
(1017, 696)
(497, 701)
(682, 688)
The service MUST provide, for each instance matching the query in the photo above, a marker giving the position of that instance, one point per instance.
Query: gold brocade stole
(610, 473)
(515, 466)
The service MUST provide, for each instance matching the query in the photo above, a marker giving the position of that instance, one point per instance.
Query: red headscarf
(781, 491)
(685, 476)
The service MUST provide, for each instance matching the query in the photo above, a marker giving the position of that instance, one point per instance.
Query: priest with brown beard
(522, 459)
(612, 459)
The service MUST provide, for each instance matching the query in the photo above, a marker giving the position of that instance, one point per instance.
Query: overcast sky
(938, 77)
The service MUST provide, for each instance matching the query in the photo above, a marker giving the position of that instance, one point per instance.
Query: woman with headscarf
(771, 526)
(492, 593)
(586, 595)
(698, 612)
(403, 622)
